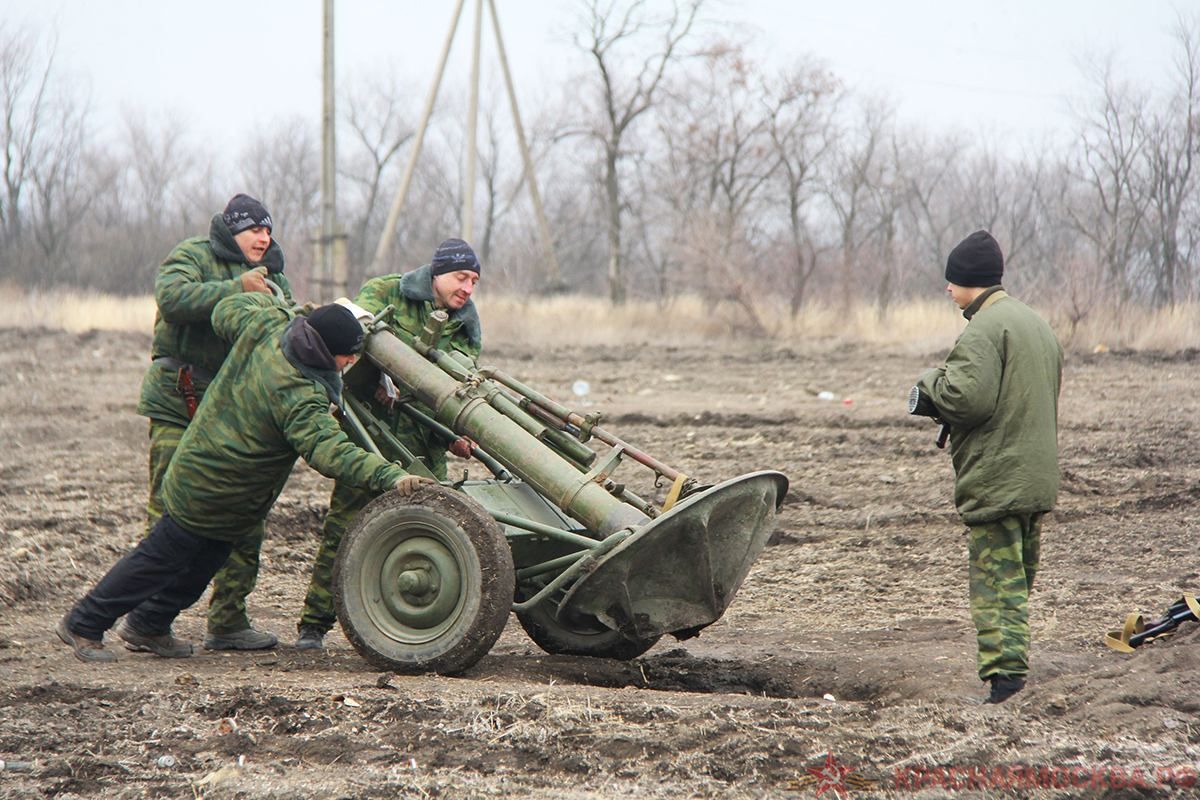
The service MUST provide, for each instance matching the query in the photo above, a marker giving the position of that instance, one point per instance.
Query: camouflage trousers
(235, 580)
(344, 505)
(1004, 558)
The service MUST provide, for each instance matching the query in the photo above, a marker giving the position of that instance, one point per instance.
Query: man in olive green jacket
(447, 283)
(238, 255)
(271, 402)
(998, 392)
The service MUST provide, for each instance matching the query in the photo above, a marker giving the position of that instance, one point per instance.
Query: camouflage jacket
(197, 274)
(412, 296)
(998, 391)
(262, 411)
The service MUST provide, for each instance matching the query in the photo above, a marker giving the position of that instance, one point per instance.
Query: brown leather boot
(89, 651)
(164, 645)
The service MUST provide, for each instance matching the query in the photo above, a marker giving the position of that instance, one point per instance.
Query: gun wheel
(423, 583)
(585, 636)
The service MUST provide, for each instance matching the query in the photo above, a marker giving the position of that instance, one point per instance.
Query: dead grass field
(917, 326)
(850, 639)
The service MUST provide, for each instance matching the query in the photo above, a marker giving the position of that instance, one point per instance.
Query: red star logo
(831, 776)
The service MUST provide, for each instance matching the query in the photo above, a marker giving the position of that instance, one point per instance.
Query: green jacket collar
(418, 286)
(226, 248)
(992, 294)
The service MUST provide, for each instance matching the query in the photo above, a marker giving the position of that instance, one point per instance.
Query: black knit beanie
(976, 261)
(244, 212)
(453, 255)
(338, 328)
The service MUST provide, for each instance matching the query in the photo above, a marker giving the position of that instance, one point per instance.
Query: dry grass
(74, 311)
(570, 320)
(917, 326)
(1168, 330)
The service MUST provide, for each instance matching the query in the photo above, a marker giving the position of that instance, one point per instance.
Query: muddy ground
(848, 648)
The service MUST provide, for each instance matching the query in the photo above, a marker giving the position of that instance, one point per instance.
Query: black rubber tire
(590, 638)
(466, 571)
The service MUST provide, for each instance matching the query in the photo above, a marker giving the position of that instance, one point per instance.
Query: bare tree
(859, 171)
(63, 191)
(1111, 165)
(501, 188)
(616, 32)
(377, 114)
(1171, 150)
(801, 108)
(25, 72)
(931, 172)
(1003, 194)
(716, 127)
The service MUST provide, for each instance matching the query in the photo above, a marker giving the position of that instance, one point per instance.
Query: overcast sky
(1005, 67)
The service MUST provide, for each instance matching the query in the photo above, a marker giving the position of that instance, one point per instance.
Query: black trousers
(166, 573)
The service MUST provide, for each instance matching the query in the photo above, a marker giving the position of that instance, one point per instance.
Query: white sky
(1002, 67)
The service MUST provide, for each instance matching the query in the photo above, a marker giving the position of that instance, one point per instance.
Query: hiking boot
(89, 651)
(164, 645)
(311, 638)
(246, 639)
(1004, 687)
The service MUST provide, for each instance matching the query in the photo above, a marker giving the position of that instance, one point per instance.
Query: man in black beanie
(238, 255)
(998, 392)
(446, 283)
(271, 402)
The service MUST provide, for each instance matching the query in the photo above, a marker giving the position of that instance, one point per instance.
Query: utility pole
(552, 274)
(331, 258)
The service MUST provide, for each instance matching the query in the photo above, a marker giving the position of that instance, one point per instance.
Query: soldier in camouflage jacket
(447, 282)
(238, 255)
(271, 402)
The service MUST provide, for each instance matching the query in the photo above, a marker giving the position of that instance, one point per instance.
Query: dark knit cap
(338, 328)
(976, 261)
(244, 212)
(453, 255)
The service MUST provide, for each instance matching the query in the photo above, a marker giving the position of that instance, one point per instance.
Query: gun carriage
(425, 583)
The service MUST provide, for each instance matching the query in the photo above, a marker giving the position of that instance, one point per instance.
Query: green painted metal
(463, 407)
(588, 551)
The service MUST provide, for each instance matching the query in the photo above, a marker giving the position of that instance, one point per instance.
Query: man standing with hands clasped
(998, 393)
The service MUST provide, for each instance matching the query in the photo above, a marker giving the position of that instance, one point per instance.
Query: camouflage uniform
(198, 273)
(265, 407)
(999, 393)
(412, 296)
(1004, 557)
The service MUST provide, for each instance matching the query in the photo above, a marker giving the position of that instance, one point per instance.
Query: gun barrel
(546, 409)
(464, 408)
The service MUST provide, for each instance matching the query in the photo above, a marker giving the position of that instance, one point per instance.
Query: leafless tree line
(674, 163)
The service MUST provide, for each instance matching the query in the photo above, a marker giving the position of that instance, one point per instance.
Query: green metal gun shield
(680, 572)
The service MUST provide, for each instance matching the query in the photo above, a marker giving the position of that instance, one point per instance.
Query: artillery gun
(425, 583)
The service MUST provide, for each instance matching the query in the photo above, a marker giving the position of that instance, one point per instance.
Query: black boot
(1004, 687)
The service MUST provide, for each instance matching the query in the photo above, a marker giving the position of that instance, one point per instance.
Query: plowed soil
(844, 667)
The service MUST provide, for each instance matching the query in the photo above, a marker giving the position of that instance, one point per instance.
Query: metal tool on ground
(425, 583)
(1137, 631)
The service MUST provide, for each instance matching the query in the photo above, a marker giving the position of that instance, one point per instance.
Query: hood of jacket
(304, 348)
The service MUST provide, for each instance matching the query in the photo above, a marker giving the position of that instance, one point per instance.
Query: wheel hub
(420, 582)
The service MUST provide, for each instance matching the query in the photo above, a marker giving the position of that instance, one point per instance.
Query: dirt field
(849, 648)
